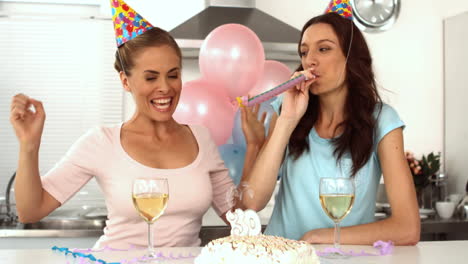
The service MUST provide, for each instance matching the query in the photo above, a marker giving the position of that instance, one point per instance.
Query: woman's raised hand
(27, 123)
(296, 99)
(253, 126)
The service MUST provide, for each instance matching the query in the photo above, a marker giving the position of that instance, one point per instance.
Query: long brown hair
(154, 37)
(361, 102)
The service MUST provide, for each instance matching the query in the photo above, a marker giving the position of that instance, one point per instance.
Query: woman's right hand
(252, 126)
(296, 100)
(28, 124)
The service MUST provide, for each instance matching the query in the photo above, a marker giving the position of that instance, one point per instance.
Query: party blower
(267, 95)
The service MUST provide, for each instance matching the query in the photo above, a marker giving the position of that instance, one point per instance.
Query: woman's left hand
(252, 126)
(316, 236)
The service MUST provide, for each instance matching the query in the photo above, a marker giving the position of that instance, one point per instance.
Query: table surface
(424, 252)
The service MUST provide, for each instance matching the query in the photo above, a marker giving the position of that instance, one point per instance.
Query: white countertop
(445, 252)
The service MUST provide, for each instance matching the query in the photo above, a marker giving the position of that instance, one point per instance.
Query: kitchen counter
(4, 233)
(423, 252)
(210, 229)
(55, 227)
(435, 228)
(432, 229)
(77, 233)
(439, 225)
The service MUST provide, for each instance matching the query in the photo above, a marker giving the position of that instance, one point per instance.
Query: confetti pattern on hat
(128, 24)
(341, 7)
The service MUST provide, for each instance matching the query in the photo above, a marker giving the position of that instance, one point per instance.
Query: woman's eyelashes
(304, 53)
(153, 78)
(324, 49)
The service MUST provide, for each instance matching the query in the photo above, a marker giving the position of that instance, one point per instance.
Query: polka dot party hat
(342, 7)
(128, 24)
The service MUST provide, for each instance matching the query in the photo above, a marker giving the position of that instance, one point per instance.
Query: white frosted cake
(258, 249)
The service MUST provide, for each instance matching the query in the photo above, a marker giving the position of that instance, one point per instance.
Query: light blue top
(297, 207)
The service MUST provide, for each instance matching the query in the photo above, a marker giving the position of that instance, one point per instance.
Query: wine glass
(336, 198)
(150, 197)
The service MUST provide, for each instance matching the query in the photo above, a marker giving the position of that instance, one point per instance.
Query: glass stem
(150, 240)
(337, 235)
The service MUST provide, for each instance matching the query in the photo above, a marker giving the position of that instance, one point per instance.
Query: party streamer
(83, 258)
(385, 248)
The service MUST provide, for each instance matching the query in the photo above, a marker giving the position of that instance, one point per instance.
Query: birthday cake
(258, 249)
(246, 245)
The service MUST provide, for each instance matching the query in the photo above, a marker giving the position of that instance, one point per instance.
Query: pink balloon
(274, 73)
(232, 56)
(202, 103)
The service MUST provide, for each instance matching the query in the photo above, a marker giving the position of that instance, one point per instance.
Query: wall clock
(375, 15)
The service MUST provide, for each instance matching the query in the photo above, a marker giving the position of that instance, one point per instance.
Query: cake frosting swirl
(258, 249)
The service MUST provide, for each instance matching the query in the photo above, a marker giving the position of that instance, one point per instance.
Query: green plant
(423, 169)
(430, 165)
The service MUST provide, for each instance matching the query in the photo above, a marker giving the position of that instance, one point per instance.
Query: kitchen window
(66, 61)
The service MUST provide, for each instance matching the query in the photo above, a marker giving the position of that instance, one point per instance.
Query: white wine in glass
(150, 197)
(337, 199)
(337, 206)
(150, 206)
